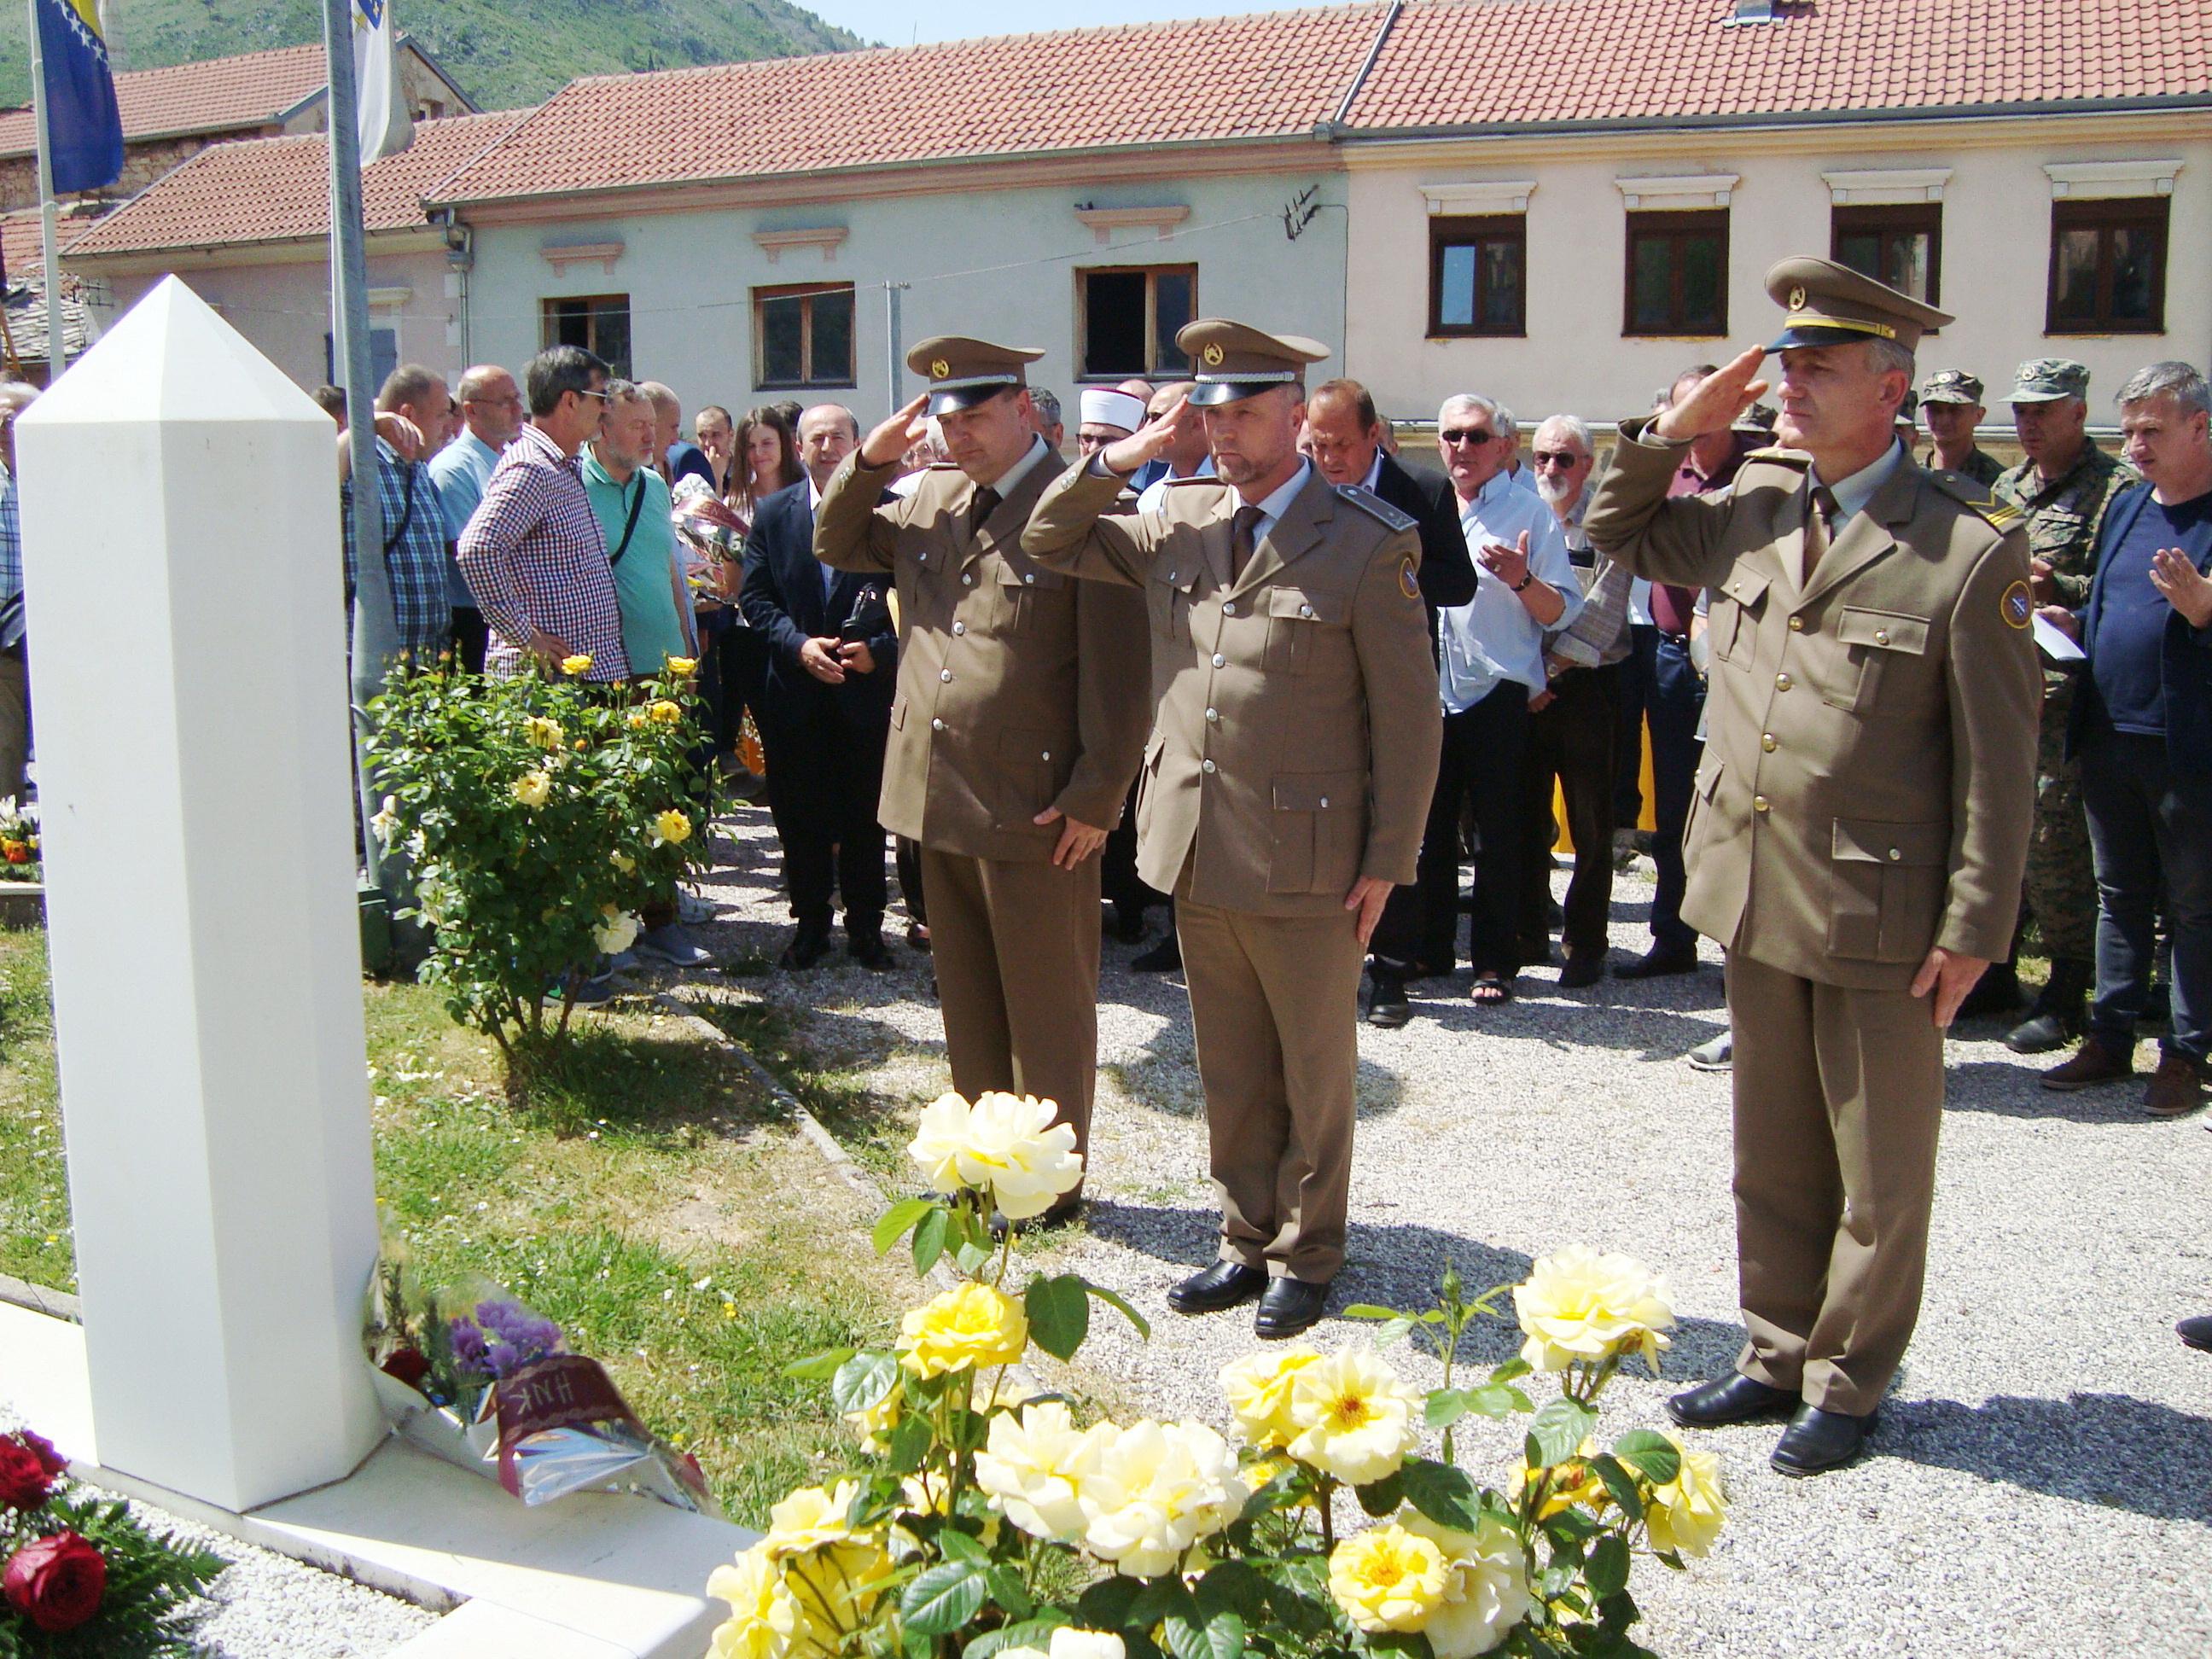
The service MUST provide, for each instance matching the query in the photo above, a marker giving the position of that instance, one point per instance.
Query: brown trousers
(1016, 947)
(1839, 1096)
(1274, 1012)
(15, 721)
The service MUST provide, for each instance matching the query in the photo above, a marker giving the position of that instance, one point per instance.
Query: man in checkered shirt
(16, 397)
(414, 526)
(533, 553)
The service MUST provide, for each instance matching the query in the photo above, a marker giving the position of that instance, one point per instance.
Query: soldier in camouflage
(2063, 488)
(1951, 404)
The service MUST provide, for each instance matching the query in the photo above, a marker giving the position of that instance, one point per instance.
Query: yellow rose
(1151, 1492)
(532, 789)
(1579, 1305)
(809, 1519)
(577, 666)
(623, 862)
(683, 667)
(1486, 1585)
(763, 1615)
(876, 1422)
(1356, 1418)
(546, 735)
(1388, 1579)
(664, 712)
(973, 1326)
(636, 720)
(1006, 1145)
(1030, 1467)
(1259, 1390)
(617, 932)
(671, 827)
(1685, 1515)
(836, 1588)
(1572, 1482)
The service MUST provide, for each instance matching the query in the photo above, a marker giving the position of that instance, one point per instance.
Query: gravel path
(2043, 1480)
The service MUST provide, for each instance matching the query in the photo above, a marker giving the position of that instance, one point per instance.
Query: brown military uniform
(1865, 796)
(1294, 751)
(1014, 694)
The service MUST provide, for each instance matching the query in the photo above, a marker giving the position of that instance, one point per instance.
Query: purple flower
(531, 1336)
(469, 1354)
(505, 1360)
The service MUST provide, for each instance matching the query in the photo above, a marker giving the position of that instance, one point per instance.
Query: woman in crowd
(762, 459)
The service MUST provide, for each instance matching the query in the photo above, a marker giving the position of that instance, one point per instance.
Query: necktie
(986, 503)
(1241, 539)
(1820, 527)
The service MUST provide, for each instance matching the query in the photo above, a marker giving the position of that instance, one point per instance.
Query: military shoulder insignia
(1796, 458)
(1408, 583)
(1376, 507)
(1971, 493)
(2017, 605)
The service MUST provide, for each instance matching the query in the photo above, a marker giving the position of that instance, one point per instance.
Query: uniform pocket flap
(1030, 576)
(1032, 748)
(1885, 630)
(898, 715)
(1745, 586)
(1891, 843)
(1709, 780)
(1182, 576)
(1297, 602)
(1318, 792)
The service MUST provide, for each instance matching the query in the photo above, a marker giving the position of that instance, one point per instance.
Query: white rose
(1486, 1585)
(939, 1135)
(1580, 1304)
(1355, 1416)
(1029, 1467)
(1015, 1149)
(615, 931)
(1068, 1642)
(1150, 1491)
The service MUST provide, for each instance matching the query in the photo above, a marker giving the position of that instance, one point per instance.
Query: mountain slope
(502, 52)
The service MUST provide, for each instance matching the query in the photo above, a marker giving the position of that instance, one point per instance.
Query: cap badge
(2017, 604)
(1797, 298)
(939, 370)
(1212, 355)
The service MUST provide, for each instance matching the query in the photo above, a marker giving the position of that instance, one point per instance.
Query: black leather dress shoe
(1224, 1284)
(1817, 1441)
(1386, 1005)
(1657, 964)
(1289, 1306)
(1165, 957)
(1583, 968)
(809, 944)
(2197, 1332)
(1734, 1398)
(867, 950)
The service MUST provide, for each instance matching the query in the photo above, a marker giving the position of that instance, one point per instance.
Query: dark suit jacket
(1447, 574)
(783, 601)
(2185, 660)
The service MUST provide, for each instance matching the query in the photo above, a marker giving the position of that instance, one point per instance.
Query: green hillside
(503, 52)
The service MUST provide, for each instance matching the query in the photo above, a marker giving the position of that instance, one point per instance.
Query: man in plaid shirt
(16, 397)
(533, 554)
(414, 526)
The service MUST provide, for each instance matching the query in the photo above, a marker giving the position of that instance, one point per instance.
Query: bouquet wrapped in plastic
(480, 1379)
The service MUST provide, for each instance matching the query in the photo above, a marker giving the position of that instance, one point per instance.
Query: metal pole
(891, 292)
(376, 630)
(49, 215)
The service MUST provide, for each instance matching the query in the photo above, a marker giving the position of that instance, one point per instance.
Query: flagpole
(49, 215)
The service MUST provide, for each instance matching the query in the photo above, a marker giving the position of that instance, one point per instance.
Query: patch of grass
(34, 1230)
(874, 1129)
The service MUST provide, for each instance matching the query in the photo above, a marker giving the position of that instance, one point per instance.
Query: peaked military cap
(1951, 386)
(1235, 360)
(2046, 379)
(1909, 410)
(964, 372)
(1831, 304)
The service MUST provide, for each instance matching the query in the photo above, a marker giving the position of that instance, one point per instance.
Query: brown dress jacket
(1868, 780)
(1016, 689)
(1298, 722)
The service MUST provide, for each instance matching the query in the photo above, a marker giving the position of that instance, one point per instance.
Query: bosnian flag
(84, 129)
(386, 126)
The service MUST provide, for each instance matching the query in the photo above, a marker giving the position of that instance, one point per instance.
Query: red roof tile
(1269, 75)
(21, 251)
(1501, 62)
(274, 190)
(222, 94)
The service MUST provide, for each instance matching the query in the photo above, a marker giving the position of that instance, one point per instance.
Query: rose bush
(987, 1520)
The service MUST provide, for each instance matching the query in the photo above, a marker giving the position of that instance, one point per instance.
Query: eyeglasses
(1556, 458)
(1466, 434)
(601, 396)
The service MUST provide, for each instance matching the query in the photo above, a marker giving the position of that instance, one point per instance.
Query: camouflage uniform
(1984, 468)
(2064, 518)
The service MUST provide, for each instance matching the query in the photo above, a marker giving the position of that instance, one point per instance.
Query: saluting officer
(1858, 829)
(1015, 729)
(1285, 788)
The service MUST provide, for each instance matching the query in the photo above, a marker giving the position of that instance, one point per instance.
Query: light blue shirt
(1492, 638)
(1852, 494)
(461, 469)
(1277, 502)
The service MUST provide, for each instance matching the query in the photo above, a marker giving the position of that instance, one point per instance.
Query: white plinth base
(592, 1576)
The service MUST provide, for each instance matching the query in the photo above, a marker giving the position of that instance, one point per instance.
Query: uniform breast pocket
(1168, 595)
(1320, 832)
(1877, 646)
(1888, 881)
(1025, 594)
(1735, 608)
(1304, 629)
(2057, 533)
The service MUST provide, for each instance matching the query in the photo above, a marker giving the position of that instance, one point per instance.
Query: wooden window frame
(1463, 230)
(1152, 369)
(810, 379)
(548, 309)
(1671, 223)
(2105, 214)
(1884, 219)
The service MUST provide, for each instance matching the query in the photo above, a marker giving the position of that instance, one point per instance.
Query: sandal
(1490, 991)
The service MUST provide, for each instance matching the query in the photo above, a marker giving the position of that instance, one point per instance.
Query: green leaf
(1058, 1310)
(1008, 1590)
(863, 1381)
(910, 1443)
(1511, 1369)
(1029, 1633)
(1114, 1299)
(1106, 1604)
(1382, 1496)
(1369, 1310)
(1446, 1407)
(1234, 1587)
(1161, 1599)
(1443, 1493)
(972, 1258)
(1619, 1482)
(819, 1367)
(957, 1546)
(929, 1239)
(1650, 1453)
(943, 1598)
(1607, 1568)
(1497, 1399)
(1195, 1636)
(1396, 1331)
(1562, 1426)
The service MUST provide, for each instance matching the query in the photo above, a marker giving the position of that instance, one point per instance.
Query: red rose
(51, 1460)
(408, 1366)
(56, 1582)
(25, 1479)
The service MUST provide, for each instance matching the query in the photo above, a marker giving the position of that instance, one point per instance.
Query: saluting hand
(895, 436)
(1147, 442)
(1077, 839)
(2184, 585)
(1716, 401)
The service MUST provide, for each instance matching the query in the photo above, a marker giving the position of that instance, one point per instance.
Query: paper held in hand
(2054, 644)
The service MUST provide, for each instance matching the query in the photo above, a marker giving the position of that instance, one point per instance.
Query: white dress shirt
(1492, 638)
